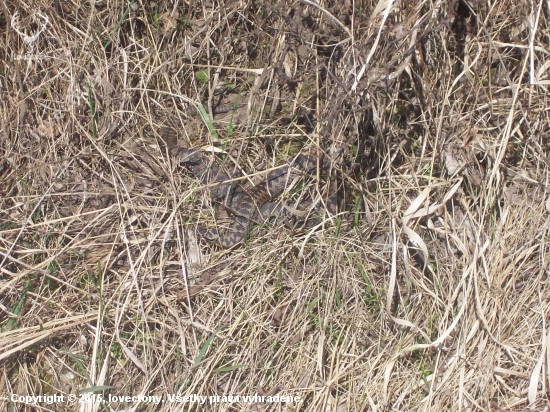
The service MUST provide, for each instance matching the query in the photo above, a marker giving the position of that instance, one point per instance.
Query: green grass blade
(207, 345)
(17, 308)
(208, 121)
(124, 15)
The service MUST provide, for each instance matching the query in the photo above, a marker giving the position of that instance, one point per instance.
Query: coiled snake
(251, 204)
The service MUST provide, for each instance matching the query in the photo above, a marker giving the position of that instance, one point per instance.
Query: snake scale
(250, 205)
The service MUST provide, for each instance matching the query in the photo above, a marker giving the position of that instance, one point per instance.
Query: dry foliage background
(428, 292)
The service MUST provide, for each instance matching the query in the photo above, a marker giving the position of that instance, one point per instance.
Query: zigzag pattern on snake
(248, 205)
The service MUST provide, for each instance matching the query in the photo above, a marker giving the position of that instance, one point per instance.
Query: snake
(253, 204)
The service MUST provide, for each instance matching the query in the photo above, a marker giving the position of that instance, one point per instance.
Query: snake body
(249, 205)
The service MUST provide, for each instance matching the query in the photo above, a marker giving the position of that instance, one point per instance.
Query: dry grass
(430, 293)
